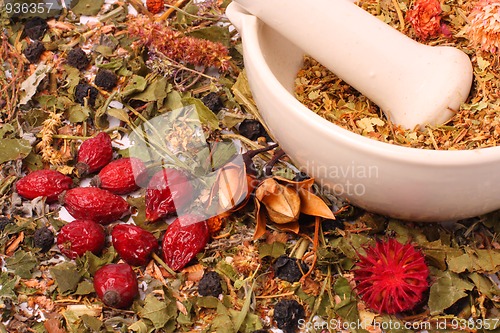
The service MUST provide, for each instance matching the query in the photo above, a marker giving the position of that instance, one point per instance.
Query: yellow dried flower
(49, 128)
(484, 28)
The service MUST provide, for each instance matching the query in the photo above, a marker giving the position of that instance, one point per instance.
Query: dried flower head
(154, 6)
(392, 277)
(178, 47)
(425, 18)
(247, 260)
(484, 28)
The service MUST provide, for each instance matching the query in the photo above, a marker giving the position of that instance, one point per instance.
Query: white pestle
(413, 84)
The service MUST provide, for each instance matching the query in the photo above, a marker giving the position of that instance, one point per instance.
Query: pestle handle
(413, 84)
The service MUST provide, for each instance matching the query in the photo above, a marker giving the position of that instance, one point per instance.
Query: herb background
(196, 60)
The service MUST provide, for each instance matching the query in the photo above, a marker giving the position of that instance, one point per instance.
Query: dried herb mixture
(166, 87)
(468, 25)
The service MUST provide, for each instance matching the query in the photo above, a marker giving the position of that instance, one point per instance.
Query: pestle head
(413, 84)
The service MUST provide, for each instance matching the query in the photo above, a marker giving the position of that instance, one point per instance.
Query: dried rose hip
(43, 183)
(168, 190)
(183, 239)
(116, 285)
(94, 153)
(134, 244)
(92, 203)
(120, 176)
(80, 236)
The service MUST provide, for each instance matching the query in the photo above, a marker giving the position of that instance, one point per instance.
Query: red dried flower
(154, 6)
(425, 18)
(392, 277)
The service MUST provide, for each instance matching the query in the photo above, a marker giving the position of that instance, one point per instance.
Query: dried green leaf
(155, 91)
(155, 311)
(174, 100)
(90, 263)
(87, 7)
(347, 307)
(6, 129)
(119, 114)
(140, 326)
(273, 250)
(8, 283)
(78, 113)
(84, 288)
(483, 260)
(30, 85)
(67, 277)
(13, 149)
(136, 84)
(484, 285)
(22, 263)
(33, 161)
(446, 290)
(92, 323)
(206, 116)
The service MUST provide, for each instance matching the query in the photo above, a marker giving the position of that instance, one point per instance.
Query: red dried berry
(120, 176)
(92, 203)
(154, 6)
(43, 183)
(391, 277)
(134, 244)
(168, 191)
(80, 236)
(94, 153)
(183, 240)
(116, 285)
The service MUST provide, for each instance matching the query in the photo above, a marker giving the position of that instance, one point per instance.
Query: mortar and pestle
(412, 83)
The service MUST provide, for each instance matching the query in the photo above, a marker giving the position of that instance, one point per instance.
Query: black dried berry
(78, 58)
(251, 129)
(349, 213)
(287, 314)
(106, 79)
(210, 284)
(260, 331)
(288, 269)
(35, 28)
(213, 102)
(84, 90)
(4, 221)
(300, 176)
(34, 51)
(43, 239)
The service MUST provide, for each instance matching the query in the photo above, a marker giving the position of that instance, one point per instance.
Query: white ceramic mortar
(407, 183)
